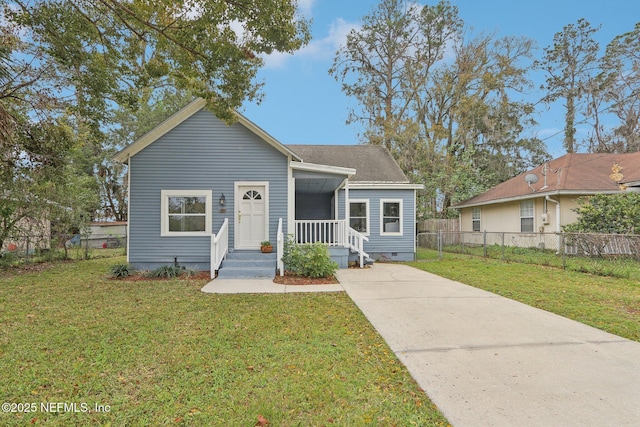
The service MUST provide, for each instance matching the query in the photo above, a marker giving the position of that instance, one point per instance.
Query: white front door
(251, 219)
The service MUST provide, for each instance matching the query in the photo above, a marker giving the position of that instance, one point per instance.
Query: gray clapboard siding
(201, 153)
(385, 246)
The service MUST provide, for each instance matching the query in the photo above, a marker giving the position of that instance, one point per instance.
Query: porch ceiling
(308, 182)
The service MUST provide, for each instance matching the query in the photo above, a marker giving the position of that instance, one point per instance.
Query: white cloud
(305, 7)
(321, 49)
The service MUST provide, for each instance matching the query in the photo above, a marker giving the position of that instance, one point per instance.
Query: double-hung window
(475, 219)
(391, 217)
(359, 215)
(526, 216)
(186, 212)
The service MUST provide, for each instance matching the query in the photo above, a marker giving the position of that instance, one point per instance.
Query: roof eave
(392, 185)
(534, 196)
(313, 167)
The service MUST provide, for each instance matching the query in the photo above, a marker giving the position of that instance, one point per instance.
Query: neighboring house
(108, 234)
(545, 198)
(199, 189)
(28, 235)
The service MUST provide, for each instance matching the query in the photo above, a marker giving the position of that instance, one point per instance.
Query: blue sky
(303, 104)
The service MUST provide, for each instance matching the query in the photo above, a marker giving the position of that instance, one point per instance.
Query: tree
(211, 47)
(386, 64)
(621, 87)
(452, 125)
(67, 66)
(571, 64)
(608, 213)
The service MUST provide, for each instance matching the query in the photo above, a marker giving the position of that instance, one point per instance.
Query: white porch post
(346, 198)
(291, 200)
(346, 206)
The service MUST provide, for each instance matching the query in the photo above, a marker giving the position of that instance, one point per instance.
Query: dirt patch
(294, 279)
(29, 268)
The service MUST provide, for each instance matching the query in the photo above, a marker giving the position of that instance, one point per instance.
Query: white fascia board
(312, 167)
(182, 115)
(385, 186)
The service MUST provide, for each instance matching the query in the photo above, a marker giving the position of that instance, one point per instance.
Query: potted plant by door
(266, 247)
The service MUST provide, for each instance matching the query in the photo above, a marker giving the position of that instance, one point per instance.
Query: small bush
(166, 271)
(309, 259)
(120, 271)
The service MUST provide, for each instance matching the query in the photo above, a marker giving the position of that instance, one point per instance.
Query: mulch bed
(293, 279)
(198, 275)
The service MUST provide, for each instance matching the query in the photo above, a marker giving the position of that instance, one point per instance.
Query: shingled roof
(373, 163)
(570, 174)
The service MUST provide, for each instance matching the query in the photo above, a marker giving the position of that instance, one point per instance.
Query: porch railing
(356, 241)
(280, 248)
(219, 247)
(330, 232)
(333, 233)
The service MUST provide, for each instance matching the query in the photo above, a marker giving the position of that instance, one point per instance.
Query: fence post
(502, 245)
(484, 243)
(440, 244)
(562, 248)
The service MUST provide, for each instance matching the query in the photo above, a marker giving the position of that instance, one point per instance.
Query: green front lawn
(163, 353)
(608, 303)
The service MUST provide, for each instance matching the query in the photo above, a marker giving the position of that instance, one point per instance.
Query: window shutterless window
(359, 215)
(186, 212)
(390, 217)
(475, 219)
(526, 216)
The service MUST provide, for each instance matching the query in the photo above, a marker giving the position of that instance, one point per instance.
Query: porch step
(248, 264)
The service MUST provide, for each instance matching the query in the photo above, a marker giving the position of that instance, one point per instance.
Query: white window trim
(164, 212)
(532, 216)
(400, 214)
(366, 202)
(479, 219)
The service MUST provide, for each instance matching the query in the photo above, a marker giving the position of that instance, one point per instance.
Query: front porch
(336, 234)
(318, 211)
(342, 241)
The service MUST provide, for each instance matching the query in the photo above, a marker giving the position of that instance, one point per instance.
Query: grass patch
(620, 267)
(163, 353)
(608, 303)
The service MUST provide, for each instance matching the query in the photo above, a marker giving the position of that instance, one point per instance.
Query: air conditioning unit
(545, 218)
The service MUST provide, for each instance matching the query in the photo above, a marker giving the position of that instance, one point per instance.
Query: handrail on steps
(219, 247)
(280, 248)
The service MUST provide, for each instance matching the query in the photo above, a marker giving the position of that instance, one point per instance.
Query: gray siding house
(202, 192)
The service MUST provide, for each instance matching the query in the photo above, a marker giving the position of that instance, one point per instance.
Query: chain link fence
(552, 249)
(20, 247)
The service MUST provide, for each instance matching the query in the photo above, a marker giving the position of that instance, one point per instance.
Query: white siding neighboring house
(546, 205)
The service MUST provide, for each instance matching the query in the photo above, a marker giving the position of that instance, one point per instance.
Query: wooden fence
(436, 225)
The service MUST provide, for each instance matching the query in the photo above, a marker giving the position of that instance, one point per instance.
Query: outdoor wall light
(222, 200)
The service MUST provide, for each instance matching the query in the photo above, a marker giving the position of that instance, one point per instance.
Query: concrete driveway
(485, 360)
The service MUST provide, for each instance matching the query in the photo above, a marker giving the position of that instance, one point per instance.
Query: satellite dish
(531, 178)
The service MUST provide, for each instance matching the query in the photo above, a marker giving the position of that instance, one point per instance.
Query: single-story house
(201, 190)
(544, 199)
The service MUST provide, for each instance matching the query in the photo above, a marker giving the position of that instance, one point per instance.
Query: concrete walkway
(262, 286)
(485, 360)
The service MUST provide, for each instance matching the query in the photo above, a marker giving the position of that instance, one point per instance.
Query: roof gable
(179, 117)
(372, 163)
(574, 173)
